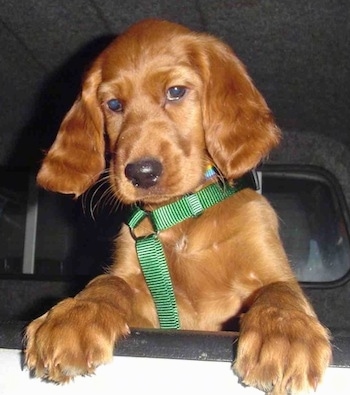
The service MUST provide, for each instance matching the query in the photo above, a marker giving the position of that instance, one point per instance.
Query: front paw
(282, 352)
(73, 338)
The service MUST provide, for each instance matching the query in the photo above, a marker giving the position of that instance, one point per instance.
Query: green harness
(150, 250)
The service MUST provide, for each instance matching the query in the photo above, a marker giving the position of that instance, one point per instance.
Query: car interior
(51, 245)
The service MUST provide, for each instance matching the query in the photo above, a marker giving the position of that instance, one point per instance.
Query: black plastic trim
(188, 345)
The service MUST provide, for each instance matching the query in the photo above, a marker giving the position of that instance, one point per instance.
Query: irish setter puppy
(168, 103)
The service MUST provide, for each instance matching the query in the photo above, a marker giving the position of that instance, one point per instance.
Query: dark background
(297, 53)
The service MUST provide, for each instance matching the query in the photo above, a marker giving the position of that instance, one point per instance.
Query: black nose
(144, 173)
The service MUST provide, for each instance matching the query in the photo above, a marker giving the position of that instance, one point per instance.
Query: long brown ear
(76, 158)
(239, 128)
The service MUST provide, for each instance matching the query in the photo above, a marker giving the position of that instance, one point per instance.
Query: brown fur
(227, 260)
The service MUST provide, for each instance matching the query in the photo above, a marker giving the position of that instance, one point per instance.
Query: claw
(90, 363)
(315, 383)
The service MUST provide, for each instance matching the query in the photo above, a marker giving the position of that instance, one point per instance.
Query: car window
(313, 221)
(47, 233)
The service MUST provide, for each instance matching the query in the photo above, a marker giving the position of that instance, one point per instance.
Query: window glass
(312, 223)
(13, 211)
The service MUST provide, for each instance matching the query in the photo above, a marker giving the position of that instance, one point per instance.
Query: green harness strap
(150, 250)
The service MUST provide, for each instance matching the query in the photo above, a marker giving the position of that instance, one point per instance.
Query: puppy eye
(115, 105)
(176, 93)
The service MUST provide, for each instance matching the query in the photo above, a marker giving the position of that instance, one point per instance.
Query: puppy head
(216, 116)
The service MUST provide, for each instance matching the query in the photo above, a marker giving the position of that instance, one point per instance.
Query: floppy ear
(239, 128)
(76, 158)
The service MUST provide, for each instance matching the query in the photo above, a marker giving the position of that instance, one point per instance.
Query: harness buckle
(145, 214)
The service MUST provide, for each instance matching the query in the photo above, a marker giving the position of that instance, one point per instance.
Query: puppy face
(151, 103)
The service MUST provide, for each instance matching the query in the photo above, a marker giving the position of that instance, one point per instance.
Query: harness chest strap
(150, 250)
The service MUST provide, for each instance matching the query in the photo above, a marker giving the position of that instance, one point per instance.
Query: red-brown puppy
(172, 101)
